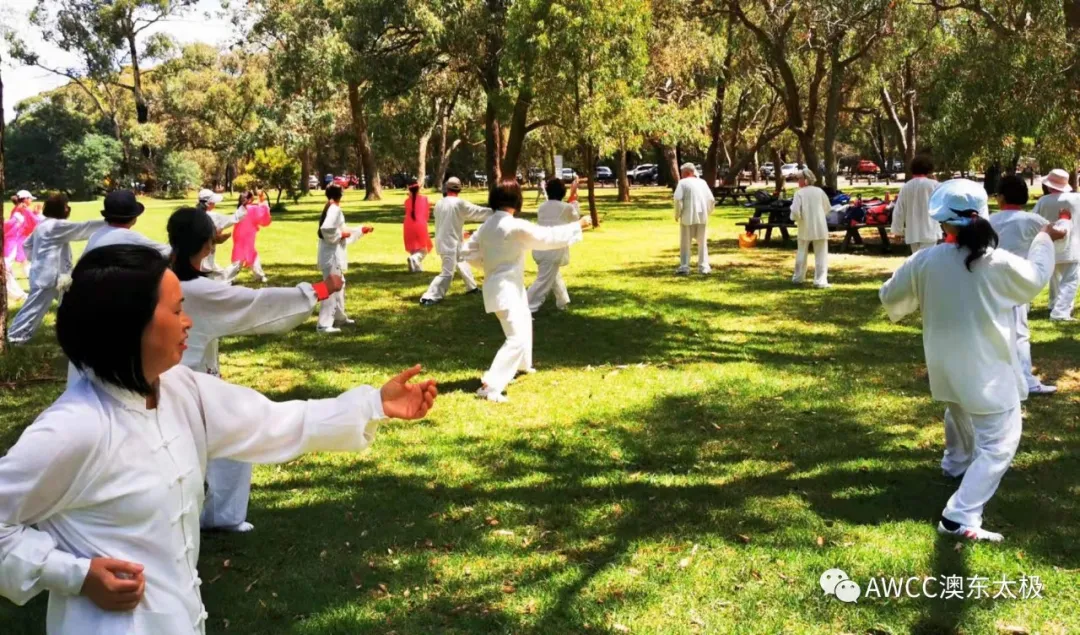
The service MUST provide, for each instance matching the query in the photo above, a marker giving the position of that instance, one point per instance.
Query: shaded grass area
(693, 453)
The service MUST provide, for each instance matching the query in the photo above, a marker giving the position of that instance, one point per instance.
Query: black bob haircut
(1014, 190)
(922, 164)
(506, 193)
(189, 230)
(113, 296)
(555, 189)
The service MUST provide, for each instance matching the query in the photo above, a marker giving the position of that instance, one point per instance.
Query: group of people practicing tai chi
(102, 497)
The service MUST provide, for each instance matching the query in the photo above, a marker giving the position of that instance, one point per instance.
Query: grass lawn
(691, 456)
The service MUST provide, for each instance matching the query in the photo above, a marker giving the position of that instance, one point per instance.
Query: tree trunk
(716, 129)
(421, 157)
(3, 188)
(588, 161)
(777, 176)
(305, 169)
(142, 108)
(620, 174)
(364, 154)
(668, 173)
(549, 162)
(444, 164)
(519, 127)
(833, 102)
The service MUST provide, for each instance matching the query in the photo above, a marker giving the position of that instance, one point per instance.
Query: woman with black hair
(50, 251)
(217, 310)
(100, 497)
(551, 213)
(334, 239)
(244, 253)
(417, 238)
(967, 289)
(499, 245)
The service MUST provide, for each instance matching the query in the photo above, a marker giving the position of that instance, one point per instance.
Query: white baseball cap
(453, 184)
(958, 195)
(208, 196)
(21, 194)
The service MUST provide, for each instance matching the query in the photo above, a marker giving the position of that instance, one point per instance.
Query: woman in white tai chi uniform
(967, 290)
(810, 209)
(911, 214)
(100, 496)
(499, 245)
(334, 239)
(551, 213)
(218, 309)
(50, 251)
(451, 214)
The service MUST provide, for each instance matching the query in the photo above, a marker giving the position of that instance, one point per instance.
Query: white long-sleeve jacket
(1050, 207)
(694, 201)
(911, 214)
(218, 309)
(500, 245)
(810, 209)
(968, 328)
(451, 214)
(100, 475)
(50, 248)
(109, 235)
(333, 248)
(552, 214)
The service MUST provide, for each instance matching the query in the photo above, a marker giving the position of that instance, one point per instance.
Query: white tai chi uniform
(500, 244)
(451, 214)
(50, 250)
(1016, 230)
(694, 202)
(911, 214)
(334, 258)
(548, 262)
(99, 475)
(218, 310)
(221, 223)
(1066, 276)
(15, 291)
(971, 357)
(109, 235)
(810, 209)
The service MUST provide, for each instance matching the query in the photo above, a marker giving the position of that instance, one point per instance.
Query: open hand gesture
(402, 400)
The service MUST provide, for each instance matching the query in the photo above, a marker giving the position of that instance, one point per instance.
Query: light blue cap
(958, 195)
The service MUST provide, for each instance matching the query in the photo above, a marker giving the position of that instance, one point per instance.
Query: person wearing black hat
(121, 211)
(50, 249)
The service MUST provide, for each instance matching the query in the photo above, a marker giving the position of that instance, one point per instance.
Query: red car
(345, 181)
(867, 167)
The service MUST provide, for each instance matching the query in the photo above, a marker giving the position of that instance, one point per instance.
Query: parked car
(790, 171)
(644, 173)
(867, 166)
(604, 175)
(568, 175)
(479, 178)
(312, 182)
(767, 171)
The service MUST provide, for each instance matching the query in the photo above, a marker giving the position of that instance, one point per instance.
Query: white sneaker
(1067, 318)
(682, 272)
(242, 528)
(345, 322)
(971, 533)
(704, 272)
(823, 286)
(328, 329)
(1042, 389)
(486, 393)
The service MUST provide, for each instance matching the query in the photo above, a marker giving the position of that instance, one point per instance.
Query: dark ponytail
(414, 189)
(977, 236)
(189, 230)
(333, 193)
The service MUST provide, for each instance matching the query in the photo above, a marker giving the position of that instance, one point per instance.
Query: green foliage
(35, 139)
(273, 168)
(93, 163)
(179, 173)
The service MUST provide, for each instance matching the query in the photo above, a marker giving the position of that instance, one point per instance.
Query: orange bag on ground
(748, 240)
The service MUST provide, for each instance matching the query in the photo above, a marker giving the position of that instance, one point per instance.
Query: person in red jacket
(417, 238)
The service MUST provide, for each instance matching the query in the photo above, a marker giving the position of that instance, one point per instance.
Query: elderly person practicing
(911, 216)
(693, 203)
(809, 209)
(1061, 206)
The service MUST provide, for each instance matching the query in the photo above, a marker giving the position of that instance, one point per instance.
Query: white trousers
(416, 260)
(1023, 344)
(233, 270)
(1063, 283)
(548, 280)
(441, 284)
(15, 291)
(917, 247)
(698, 234)
(516, 352)
(228, 493)
(332, 309)
(32, 314)
(981, 447)
(821, 261)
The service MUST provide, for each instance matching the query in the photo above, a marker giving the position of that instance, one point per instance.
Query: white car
(789, 171)
(568, 175)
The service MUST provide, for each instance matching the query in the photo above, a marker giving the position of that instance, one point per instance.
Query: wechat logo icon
(837, 583)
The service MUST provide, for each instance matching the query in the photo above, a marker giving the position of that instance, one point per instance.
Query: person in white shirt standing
(1061, 206)
(1016, 229)
(208, 201)
(100, 496)
(694, 202)
(551, 213)
(333, 255)
(121, 211)
(451, 214)
(967, 290)
(810, 210)
(500, 245)
(50, 251)
(911, 214)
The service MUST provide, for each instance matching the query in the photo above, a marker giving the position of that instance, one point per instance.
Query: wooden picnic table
(852, 236)
(779, 218)
(734, 192)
